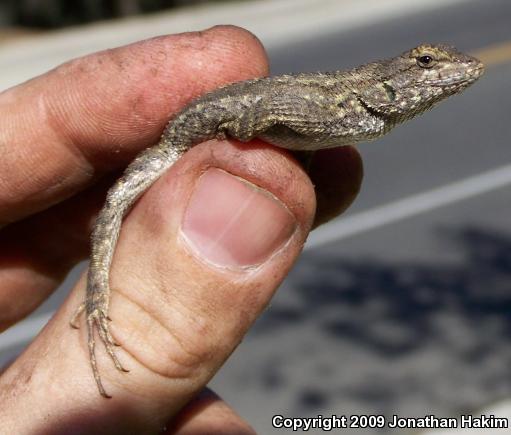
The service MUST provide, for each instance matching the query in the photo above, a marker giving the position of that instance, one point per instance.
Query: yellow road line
(494, 54)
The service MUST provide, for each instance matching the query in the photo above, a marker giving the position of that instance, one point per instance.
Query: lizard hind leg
(139, 175)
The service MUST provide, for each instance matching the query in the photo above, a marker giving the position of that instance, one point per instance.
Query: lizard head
(413, 82)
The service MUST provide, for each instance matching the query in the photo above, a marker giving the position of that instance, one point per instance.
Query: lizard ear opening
(391, 92)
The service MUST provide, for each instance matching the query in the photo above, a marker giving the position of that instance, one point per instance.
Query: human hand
(199, 256)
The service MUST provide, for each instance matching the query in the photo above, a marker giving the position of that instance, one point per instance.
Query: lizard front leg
(245, 128)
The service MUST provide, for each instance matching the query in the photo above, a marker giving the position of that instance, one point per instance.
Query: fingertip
(247, 46)
(337, 175)
(183, 330)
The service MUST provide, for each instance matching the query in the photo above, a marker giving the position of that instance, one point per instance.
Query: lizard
(303, 112)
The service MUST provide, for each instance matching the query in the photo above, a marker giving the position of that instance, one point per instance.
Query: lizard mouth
(459, 79)
(470, 73)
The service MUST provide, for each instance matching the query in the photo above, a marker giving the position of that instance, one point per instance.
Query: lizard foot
(97, 318)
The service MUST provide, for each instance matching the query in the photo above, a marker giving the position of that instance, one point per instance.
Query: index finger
(62, 130)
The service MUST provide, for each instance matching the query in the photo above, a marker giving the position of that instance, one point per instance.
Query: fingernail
(233, 223)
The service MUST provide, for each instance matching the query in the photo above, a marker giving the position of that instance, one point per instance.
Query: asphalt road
(412, 317)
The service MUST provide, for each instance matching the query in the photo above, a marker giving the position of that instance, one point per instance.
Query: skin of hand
(200, 254)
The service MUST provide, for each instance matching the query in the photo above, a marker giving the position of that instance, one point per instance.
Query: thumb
(198, 259)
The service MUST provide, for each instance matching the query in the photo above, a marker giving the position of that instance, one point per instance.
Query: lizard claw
(97, 319)
(74, 319)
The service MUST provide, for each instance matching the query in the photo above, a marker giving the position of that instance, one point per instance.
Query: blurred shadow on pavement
(456, 315)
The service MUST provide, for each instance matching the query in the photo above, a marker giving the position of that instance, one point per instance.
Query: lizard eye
(425, 61)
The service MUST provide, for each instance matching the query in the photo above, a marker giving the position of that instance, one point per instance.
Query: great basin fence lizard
(303, 112)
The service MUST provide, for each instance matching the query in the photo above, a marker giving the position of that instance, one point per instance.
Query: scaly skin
(304, 112)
